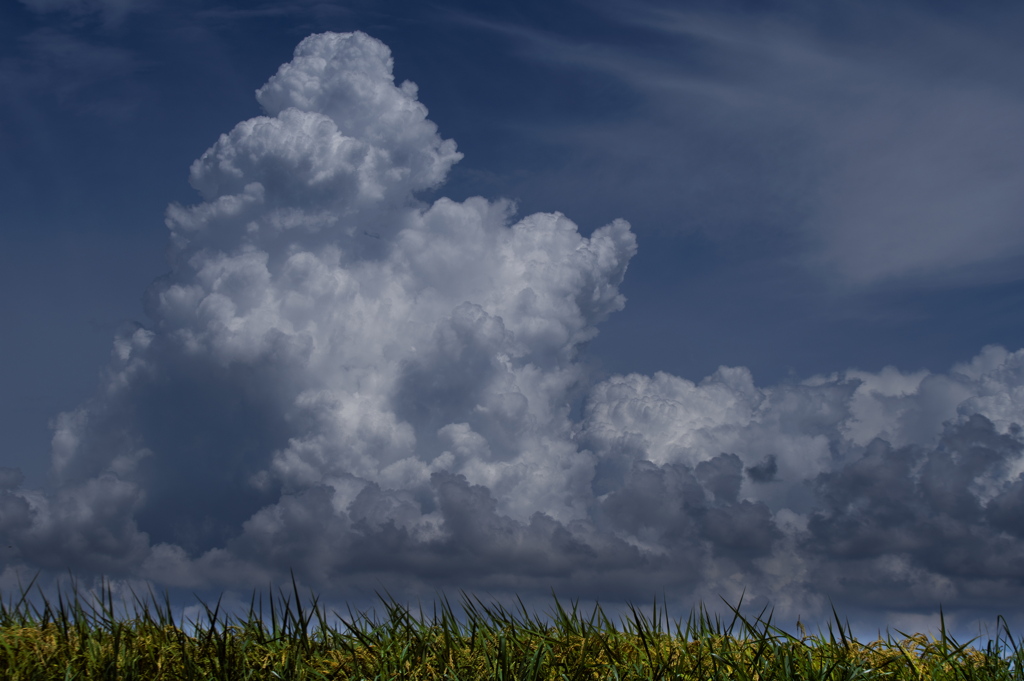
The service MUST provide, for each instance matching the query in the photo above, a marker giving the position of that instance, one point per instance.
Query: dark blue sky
(813, 189)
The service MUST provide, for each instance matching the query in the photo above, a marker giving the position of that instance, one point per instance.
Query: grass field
(288, 637)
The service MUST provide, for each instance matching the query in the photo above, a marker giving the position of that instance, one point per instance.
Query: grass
(92, 637)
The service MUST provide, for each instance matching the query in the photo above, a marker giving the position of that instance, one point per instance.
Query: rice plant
(85, 637)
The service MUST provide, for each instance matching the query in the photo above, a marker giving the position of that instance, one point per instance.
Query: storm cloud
(344, 381)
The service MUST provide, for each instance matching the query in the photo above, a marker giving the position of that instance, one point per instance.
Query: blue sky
(824, 200)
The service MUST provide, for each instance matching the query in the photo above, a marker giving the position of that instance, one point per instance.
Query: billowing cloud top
(345, 382)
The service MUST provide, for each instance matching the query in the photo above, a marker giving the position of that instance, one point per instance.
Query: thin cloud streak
(888, 167)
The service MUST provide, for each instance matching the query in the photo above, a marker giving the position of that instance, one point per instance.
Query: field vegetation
(86, 637)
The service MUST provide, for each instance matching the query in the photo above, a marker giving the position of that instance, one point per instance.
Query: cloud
(883, 140)
(113, 10)
(328, 347)
(349, 383)
(83, 75)
(926, 520)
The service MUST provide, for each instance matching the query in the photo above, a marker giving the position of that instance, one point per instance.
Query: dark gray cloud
(924, 522)
(764, 471)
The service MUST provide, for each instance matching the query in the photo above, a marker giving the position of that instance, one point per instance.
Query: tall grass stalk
(89, 636)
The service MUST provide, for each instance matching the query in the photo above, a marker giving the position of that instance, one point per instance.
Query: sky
(620, 300)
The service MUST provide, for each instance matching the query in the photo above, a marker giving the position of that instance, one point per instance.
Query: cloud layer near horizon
(345, 382)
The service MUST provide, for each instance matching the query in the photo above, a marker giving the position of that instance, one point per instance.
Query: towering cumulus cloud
(339, 380)
(342, 381)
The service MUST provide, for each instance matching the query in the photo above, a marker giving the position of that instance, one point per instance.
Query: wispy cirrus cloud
(82, 74)
(113, 11)
(885, 139)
